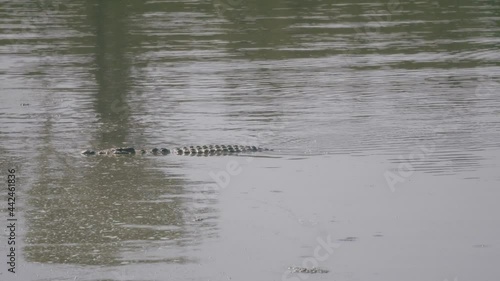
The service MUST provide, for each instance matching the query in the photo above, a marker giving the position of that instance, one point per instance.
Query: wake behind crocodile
(208, 150)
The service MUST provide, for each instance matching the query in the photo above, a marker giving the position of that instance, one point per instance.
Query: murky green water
(384, 118)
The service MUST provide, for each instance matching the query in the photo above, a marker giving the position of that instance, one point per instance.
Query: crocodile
(313, 270)
(186, 150)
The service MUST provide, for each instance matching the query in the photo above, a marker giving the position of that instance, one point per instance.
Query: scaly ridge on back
(199, 150)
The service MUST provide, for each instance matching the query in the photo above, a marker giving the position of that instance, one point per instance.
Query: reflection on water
(307, 79)
(91, 216)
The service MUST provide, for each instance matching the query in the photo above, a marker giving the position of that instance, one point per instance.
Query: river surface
(384, 118)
